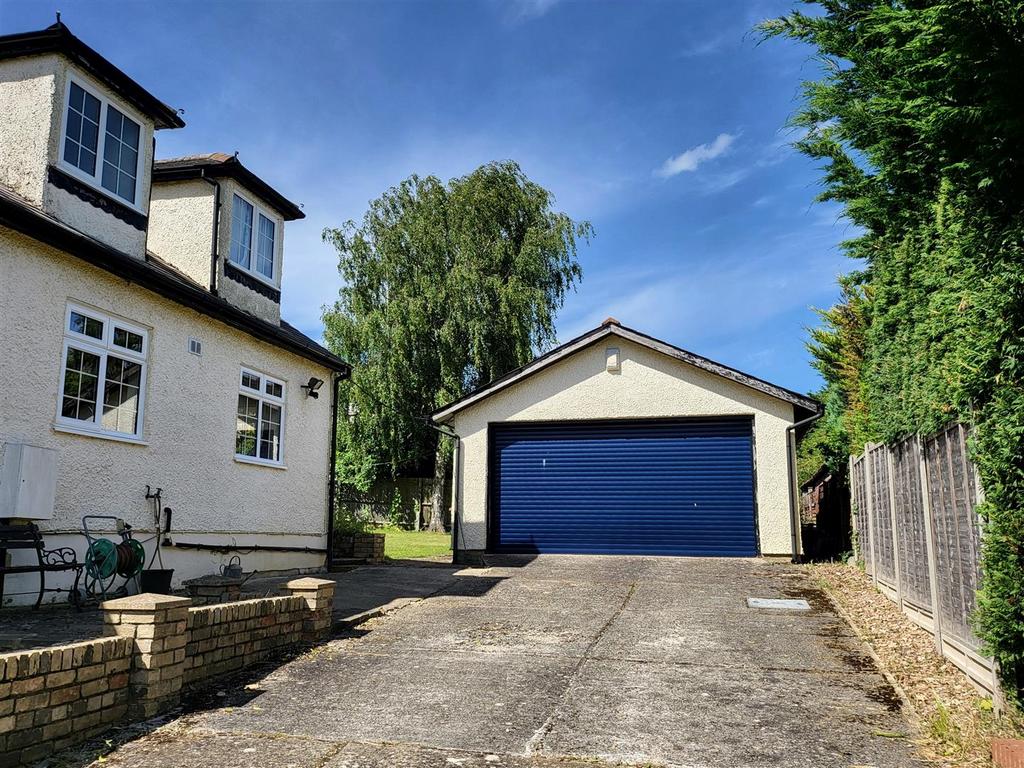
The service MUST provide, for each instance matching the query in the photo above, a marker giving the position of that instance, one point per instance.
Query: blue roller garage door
(681, 487)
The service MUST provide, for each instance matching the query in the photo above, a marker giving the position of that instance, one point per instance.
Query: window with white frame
(253, 235)
(101, 143)
(103, 374)
(259, 429)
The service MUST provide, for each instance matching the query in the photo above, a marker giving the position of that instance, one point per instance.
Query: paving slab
(715, 717)
(488, 630)
(387, 587)
(201, 748)
(469, 702)
(359, 755)
(716, 640)
(22, 628)
(572, 592)
(595, 569)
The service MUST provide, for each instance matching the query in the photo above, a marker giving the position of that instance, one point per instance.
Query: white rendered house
(142, 338)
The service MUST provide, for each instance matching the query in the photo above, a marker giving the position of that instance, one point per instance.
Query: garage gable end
(609, 331)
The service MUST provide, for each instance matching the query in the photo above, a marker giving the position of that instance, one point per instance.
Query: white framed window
(259, 426)
(100, 144)
(102, 374)
(253, 238)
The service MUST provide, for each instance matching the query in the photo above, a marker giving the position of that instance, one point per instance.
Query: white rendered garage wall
(188, 427)
(649, 385)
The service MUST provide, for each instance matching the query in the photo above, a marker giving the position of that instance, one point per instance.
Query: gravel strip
(957, 724)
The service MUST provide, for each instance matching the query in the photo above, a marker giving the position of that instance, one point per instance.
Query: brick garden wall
(224, 638)
(55, 697)
(362, 546)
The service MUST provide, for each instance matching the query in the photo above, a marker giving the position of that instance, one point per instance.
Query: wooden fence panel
(952, 490)
(858, 488)
(881, 517)
(914, 505)
(911, 537)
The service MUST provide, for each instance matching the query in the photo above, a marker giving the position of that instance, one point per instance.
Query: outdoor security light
(312, 386)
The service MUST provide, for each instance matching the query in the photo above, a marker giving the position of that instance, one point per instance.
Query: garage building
(618, 443)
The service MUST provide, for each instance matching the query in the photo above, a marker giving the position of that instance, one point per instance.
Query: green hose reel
(101, 559)
(105, 560)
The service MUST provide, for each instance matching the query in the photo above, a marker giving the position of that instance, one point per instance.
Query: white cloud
(694, 157)
(704, 47)
(526, 10)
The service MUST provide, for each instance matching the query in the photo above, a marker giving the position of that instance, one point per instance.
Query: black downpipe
(332, 468)
(794, 501)
(215, 248)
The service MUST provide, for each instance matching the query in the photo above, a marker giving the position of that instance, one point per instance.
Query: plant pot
(157, 580)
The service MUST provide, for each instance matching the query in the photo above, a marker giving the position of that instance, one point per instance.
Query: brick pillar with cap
(157, 626)
(319, 597)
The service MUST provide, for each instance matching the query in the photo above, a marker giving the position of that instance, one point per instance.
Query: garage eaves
(805, 406)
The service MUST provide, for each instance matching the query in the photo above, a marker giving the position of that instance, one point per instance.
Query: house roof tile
(220, 165)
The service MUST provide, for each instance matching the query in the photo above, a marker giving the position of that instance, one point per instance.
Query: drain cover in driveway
(778, 604)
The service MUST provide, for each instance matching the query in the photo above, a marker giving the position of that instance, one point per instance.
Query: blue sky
(659, 122)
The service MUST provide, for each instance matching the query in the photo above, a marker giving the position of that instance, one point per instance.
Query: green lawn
(400, 545)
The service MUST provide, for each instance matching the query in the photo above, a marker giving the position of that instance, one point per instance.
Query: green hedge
(919, 121)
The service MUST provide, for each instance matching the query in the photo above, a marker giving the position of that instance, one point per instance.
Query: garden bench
(47, 560)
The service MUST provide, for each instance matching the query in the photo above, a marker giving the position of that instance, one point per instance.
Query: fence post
(868, 495)
(895, 532)
(929, 538)
(971, 470)
(854, 533)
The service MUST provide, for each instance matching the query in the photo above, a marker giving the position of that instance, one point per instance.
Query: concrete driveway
(564, 660)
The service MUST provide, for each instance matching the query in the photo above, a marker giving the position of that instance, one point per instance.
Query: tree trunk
(437, 494)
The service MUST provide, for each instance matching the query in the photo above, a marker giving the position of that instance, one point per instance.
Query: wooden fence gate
(918, 537)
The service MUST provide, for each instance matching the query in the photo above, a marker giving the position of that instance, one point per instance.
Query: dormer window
(253, 234)
(101, 144)
(82, 132)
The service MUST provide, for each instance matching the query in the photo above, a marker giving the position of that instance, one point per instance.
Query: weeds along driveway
(542, 661)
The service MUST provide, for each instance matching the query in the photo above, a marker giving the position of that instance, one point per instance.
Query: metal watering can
(233, 570)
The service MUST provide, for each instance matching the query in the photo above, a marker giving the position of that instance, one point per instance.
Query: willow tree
(446, 287)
